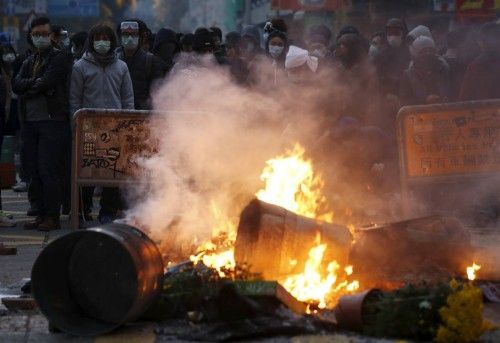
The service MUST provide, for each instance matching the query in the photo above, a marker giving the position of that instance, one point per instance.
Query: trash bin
(90, 282)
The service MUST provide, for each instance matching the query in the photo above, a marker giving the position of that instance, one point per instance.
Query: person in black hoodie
(42, 84)
(145, 68)
(166, 46)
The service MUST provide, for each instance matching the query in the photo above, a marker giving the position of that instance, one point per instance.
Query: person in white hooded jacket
(101, 80)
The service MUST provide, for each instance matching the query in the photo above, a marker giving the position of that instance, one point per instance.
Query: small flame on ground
(471, 271)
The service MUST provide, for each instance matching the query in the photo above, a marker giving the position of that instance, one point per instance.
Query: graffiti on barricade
(112, 146)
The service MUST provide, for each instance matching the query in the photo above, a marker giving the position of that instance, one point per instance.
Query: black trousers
(44, 146)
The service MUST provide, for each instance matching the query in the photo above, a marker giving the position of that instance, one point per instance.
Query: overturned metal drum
(270, 238)
(91, 281)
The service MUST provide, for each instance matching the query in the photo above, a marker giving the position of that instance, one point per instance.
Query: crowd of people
(118, 68)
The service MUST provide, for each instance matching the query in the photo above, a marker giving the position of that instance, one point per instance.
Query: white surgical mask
(102, 46)
(130, 42)
(41, 42)
(275, 51)
(9, 58)
(395, 41)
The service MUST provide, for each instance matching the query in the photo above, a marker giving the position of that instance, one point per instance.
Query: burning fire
(471, 271)
(318, 285)
(218, 253)
(290, 182)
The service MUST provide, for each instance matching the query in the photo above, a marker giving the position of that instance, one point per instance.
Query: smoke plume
(215, 137)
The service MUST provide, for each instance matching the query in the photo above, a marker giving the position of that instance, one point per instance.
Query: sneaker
(5, 221)
(20, 187)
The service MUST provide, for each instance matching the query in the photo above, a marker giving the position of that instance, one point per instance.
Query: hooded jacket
(145, 68)
(94, 86)
(163, 36)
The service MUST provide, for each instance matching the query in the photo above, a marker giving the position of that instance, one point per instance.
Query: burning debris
(287, 235)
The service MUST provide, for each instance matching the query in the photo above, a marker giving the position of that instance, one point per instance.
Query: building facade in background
(230, 15)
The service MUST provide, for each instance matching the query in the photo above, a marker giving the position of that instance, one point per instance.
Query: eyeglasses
(40, 34)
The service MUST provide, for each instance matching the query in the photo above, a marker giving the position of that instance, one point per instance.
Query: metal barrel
(90, 282)
(270, 237)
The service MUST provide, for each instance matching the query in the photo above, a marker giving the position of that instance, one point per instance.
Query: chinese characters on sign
(453, 142)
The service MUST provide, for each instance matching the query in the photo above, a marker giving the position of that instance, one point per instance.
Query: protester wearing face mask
(318, 41)
(145, 68)
(393, 61)
(42, 85)
(378, 44)
(427, 80)
(101, 80)
(277, 48)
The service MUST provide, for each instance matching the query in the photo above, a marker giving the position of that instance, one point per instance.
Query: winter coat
(417, 85)
(481, 78)
(93, 86)
(49, 86)
(145, 68)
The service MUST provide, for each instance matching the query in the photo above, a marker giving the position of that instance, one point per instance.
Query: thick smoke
(215, 137)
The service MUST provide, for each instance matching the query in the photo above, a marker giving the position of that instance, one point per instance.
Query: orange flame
(291, 183)
(471, 271)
